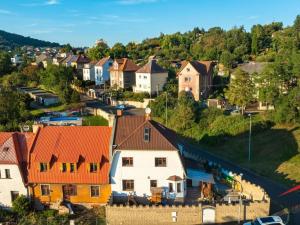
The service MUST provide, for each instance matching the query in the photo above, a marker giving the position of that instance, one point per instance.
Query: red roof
(125, 65)
(102, 61)
(81, 145)
(129, 135)
(297, 188)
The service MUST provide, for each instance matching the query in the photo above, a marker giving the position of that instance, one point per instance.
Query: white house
(145, 156)
(150, 78)
(89, 71)
(102, 70)
(13, 157)
(16, 60)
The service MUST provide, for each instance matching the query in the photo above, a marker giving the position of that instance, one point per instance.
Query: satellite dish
(147, 110)
(26, 128)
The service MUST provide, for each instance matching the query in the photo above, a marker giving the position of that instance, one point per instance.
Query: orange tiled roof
(81, 145)
(125, 65)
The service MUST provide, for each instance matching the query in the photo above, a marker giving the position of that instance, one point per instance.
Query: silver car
(270, 220)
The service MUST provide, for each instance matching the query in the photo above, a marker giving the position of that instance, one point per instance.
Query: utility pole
(250, 131)
(166, 108)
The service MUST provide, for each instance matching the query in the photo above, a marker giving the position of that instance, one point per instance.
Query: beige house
(196, 77)
(150, 78)
(122, 73)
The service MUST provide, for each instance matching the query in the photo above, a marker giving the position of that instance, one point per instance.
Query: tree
(297, 31)
(99, 51)
(184, 114)
(21, 205)
(241, 89)
(5, 63)
(227, 59)
(118, 51)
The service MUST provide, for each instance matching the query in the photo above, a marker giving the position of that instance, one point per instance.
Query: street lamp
(250, 130)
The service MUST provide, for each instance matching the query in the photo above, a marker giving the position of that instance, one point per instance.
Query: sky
(82, 22)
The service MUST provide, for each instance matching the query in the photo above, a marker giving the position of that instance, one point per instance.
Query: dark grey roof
(253, 67)
(151, 67)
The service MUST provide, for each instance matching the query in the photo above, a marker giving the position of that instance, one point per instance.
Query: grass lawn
(94, 121)
(275, 152)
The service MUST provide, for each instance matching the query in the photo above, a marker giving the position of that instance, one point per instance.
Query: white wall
(8, 185)
(89, 73)
(102, 73)
(144, 170)
(146, 82)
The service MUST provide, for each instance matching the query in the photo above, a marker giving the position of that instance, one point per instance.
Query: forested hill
(10, 40)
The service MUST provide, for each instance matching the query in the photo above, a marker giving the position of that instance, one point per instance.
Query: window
(171, 189)
(160, 162)
(188, 69)
(14, 195)
(45, 189)
(93, 167)
(70, 190)
(145, 77)
(153, 183)
(95, 191)
(64, 167)
(72, 167)
(127, 161)
(7, 174)
(146, 134)
(43, 167)
(187, 79)
(128, 185)
(178, 187)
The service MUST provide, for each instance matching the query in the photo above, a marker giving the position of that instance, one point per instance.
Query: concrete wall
(185, 215)
(135, 104)
(143, 171)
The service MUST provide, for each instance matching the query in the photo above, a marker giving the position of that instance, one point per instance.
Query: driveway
(273, 189)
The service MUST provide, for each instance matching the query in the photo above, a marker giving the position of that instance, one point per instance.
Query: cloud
(135, 2)
(3, 11)
(52, 2)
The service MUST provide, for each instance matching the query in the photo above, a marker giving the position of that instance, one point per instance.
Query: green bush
(21, 205)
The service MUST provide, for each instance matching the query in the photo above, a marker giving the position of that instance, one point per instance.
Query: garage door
(208, 215)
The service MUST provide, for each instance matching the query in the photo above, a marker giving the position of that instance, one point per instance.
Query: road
(272, 188)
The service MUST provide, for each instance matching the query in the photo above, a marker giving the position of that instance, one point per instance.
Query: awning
(200, 175)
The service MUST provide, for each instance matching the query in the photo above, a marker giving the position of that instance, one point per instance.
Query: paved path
(272, 188)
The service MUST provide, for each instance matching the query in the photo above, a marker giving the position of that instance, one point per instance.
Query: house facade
(146, 156)
(196, 77)
(122, 73)
(151, 78)
(13, 161)
(70, 164)
(102, 70)
(88, 71)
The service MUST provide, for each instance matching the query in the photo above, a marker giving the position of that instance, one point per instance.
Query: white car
(270, 220)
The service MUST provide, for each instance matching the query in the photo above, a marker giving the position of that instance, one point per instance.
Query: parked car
(121, 107)
(270, 220)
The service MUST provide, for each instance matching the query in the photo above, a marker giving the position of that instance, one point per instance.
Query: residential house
(102, 70)
(146, 156)
(16, 60)
(122, 73)
(150, 78)
(196, 77)
(71, 164)
(14, 149)
(89, 71)
(43, 60)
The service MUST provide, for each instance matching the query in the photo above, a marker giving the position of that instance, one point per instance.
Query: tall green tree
(99, 51)
(241, 89)
(5, 63)
(118, 51)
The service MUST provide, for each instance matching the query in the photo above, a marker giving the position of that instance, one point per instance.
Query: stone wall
(135, 104)
(183, 215)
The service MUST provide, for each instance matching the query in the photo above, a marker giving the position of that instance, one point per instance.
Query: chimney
(148, 114)
(119, 112)
(36, 127)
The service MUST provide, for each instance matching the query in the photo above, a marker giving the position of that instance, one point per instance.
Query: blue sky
(81, 22)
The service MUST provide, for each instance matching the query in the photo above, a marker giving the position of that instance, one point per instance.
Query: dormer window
(64, 167)
(5, 149)
(146, 134)
(72, 167)
(93, 167)
(43, 167)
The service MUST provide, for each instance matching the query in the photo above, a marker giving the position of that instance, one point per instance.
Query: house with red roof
(196, 77)
(14, 149)
(70, 164)
(122, 73)
(146, 156)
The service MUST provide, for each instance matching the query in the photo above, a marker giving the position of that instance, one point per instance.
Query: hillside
(10, 40)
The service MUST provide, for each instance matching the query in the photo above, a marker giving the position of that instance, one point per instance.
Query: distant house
(146, 156)
(89, 71)
(70, 164)
(43, 60)
(14, 149)
(150, 78)
(16, 60)
(122, 73)
(102, 70)
(196, 77)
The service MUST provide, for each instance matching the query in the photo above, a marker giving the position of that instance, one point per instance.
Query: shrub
(21, 205)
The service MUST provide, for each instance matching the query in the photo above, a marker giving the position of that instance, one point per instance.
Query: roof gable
(130, 135)
(151, 67)
(202, 67)
(125, 65)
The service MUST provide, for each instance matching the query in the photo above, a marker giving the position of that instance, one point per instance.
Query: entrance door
(68, 191)
(14, 195)
(208, 215)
